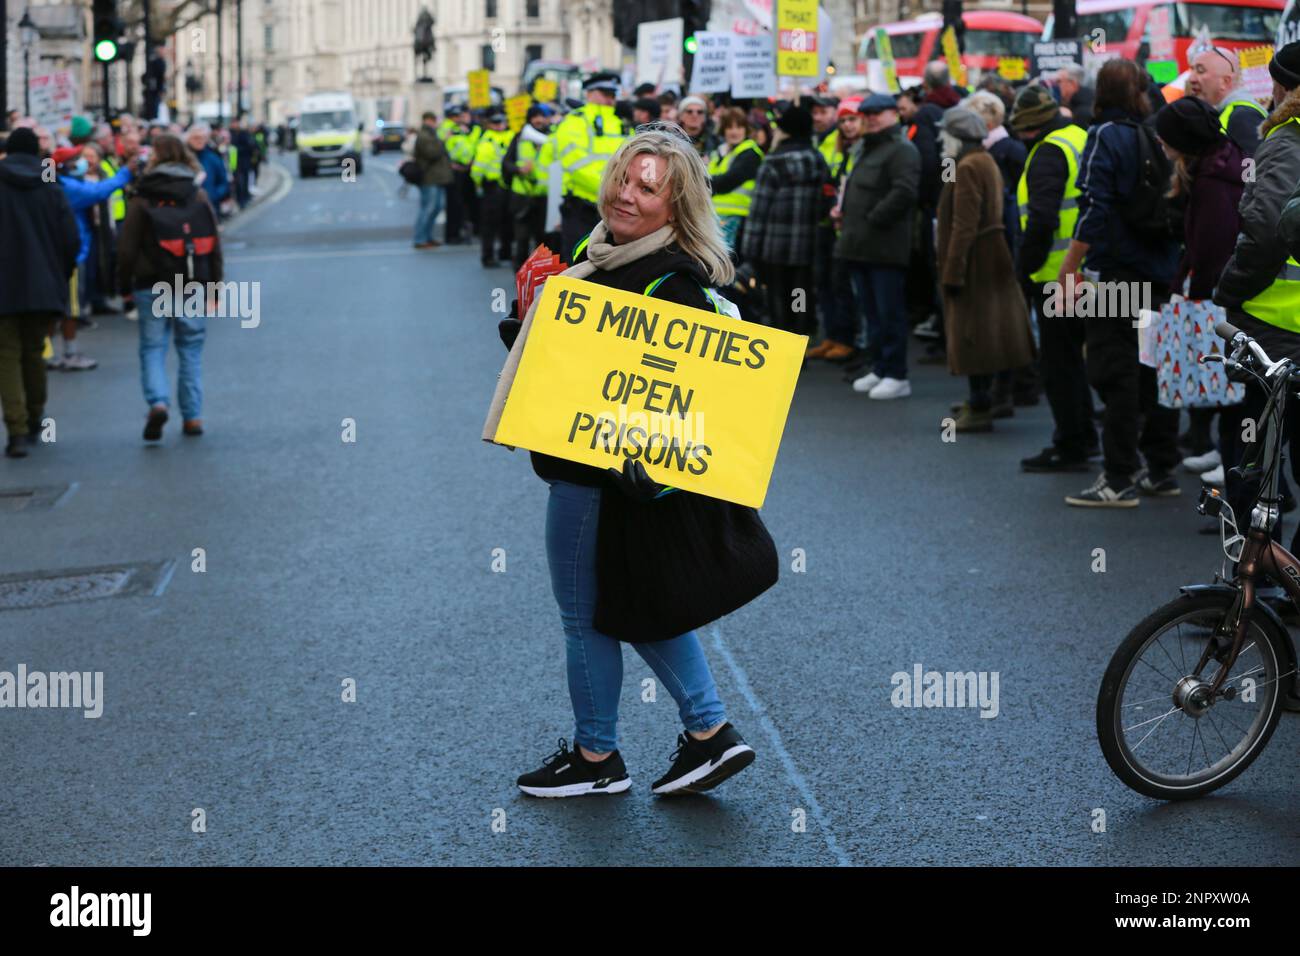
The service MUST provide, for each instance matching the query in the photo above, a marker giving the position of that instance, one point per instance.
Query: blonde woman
(632, 560)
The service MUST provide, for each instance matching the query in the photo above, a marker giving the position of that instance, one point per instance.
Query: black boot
(17, 447)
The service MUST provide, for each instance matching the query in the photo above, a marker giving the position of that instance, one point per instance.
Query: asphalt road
(371, 561)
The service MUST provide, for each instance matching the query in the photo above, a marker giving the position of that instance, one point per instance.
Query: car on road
(329, 133)
(388, 136)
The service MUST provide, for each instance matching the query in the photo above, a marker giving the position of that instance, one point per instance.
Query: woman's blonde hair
(696, 228)
(988, 106)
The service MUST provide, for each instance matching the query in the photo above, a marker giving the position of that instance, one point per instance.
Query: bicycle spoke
(1158, 720)
(1163, 675)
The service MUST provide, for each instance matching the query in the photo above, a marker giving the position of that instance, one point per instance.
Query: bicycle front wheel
(1160, 730)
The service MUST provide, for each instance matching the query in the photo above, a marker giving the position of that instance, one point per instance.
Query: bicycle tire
(1110, 696)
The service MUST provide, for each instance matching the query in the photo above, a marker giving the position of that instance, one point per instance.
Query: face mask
(80, 166)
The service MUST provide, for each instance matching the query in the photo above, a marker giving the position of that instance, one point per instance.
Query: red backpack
(187, 233)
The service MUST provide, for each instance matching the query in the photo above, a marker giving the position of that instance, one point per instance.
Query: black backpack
(1146, 210)
(187, 233)
(411, 172)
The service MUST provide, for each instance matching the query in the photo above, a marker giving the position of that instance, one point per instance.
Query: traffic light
(107, 30)
(155, 82)
(690, 44)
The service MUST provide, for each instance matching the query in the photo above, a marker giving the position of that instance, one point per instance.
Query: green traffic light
(690, 44)
(105, 50)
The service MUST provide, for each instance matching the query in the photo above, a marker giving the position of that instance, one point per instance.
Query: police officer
(1048, 199)
(495, 224)
(584, 142)
(528, 181)
(461, 147)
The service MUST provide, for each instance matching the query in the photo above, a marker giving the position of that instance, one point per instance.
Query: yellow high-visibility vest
(492, 146)
(462, 146)
(736, 202)
(117, 201)
(1070, 140)
(830, 149)
(1279, 304)
(585, 141)
(528, 184)
(1226, 115)
(446, 128)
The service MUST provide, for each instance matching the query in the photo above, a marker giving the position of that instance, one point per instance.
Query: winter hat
(1189, 125)
(65, 153)
(877, 103)
(964, 124)
(23, 140)
(1033, 109)
(1285, 66)
(81, 128)
(796, 122)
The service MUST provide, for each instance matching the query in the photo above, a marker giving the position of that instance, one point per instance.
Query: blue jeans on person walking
(595, 660)
(431, 200)
(881, 292)
(188, 332)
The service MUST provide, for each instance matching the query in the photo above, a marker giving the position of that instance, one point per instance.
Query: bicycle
(1212, 671)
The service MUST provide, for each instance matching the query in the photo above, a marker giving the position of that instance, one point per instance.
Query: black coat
(39, 247)
(668, 566)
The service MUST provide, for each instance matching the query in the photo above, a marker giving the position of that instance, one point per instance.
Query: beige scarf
(601, 254)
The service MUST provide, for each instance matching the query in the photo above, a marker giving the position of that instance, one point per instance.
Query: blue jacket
(84, 196)
(1108, 174)
(217, 181)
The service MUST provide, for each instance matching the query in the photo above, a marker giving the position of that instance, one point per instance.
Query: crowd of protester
(89, 213)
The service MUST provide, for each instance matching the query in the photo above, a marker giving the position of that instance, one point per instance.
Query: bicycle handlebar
(1239, 340)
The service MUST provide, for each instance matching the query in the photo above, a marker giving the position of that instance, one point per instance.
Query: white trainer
(1214, 477)
(891, 388)
(866, 383)
(1200, 463)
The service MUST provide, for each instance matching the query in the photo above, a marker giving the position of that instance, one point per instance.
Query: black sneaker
(1052, 459)
(566, 773)
(1156, 486)
(153, 426)
(700, 765)
(1101, 494)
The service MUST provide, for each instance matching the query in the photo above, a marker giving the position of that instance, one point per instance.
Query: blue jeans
(881, 294)
(595, 660)
(431, 200)
(188, 333)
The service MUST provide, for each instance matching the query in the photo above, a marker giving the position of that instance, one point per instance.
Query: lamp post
(27, 35)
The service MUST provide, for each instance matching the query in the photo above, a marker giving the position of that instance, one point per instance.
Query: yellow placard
(480, 89)
(545, 91)
(796, 38)
(699, 398)
(517, 110)
(885, 50)
(1255, 57)
(951, 53)
(1011, 68)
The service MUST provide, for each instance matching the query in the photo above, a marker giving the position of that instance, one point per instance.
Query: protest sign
(659, 51)
(885, 52)
(517, 110)
(1051, 55)
(54, 98)
(480, 93)
(1255, 78)
(603, 375)
(952, 53)
(545, 91)
(796, 38)
(711, 70)
(753, 67)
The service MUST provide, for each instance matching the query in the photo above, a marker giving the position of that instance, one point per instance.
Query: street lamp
(27, 35)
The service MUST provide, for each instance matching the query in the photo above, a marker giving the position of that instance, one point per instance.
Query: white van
(329, 132)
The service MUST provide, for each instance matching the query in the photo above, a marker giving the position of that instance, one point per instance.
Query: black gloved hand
(634, 481)
(508, 329)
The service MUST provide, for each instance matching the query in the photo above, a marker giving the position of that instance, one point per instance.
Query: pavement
(332, 564)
